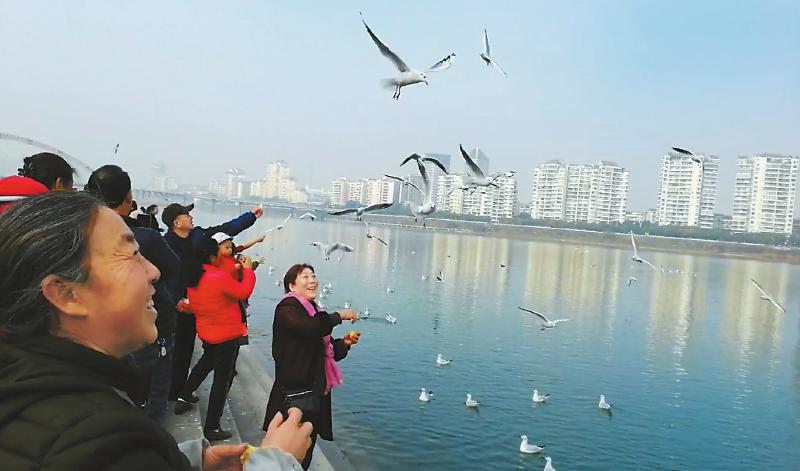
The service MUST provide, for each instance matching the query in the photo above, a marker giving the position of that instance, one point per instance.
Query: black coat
(63, 407)
(298, 350)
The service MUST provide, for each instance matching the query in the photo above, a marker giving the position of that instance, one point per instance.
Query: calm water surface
(702, 373)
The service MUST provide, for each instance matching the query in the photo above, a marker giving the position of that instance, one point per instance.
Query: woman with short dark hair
(305, 354)
(49, 169)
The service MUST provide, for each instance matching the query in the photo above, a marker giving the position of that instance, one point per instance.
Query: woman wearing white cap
(215, 302)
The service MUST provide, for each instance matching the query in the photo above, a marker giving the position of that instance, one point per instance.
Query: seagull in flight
(485, 54)
(632, 280)
(636, 258)
(308, 216)
(470, 402)
(407, 75)
(116, 148)
(539, 397)
(475, 176)
(766, 297)
(279, 226)
(546, 322)
(525, 447)
(328, 249)
(688, 153)
(440, 276)
(360, 211)
(428, 206)
(371, 236)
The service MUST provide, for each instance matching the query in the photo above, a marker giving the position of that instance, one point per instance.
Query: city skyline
(245, 85)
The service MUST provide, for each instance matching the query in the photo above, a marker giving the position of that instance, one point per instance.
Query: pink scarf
(333, 375)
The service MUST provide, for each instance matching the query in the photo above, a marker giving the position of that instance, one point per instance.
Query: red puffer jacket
(214, 302)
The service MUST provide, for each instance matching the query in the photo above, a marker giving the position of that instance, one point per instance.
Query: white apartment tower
(276, 171)
(765, 192)
(609, 194)
(549, 190)
(338, 192)
(688, 191)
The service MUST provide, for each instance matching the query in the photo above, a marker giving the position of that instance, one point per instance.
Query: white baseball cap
(221, 237)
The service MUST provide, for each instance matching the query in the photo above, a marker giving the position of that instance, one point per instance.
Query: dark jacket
(156, 250)
(62, 407)
(148, 220)
(186, 249)
(298, 350)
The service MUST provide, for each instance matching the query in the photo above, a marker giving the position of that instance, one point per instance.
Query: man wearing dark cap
(113, 185)
(185, 239)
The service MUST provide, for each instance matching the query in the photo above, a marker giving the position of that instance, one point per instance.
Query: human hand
(246, 262)
(223, 457)
(183, 306)
(352, 338)
(258, 211)
(348, 315)
(290, 435)
(258, 240)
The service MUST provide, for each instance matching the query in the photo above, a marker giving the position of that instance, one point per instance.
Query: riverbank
(603, 239)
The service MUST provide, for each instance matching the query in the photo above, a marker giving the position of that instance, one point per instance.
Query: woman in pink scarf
(304, 352)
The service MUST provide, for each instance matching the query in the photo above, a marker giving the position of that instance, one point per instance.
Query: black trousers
(221, 358)
(185, 334)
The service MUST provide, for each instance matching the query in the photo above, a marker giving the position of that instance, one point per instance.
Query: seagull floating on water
(525, 447)
(365, 314)
(359, 212)
(603, 404)
(407, 76)
(539, 397)
(308, 216)
(636, 258)
(390, 319)
(389, 289)
(632, 280)
(548, 466)
(546, 322)
(485, 55)
(440, 276)
(425, 395)
(766, 297)
(279, 226)
(471, 402)
(347, 305)
(328, 249)
(441, 361)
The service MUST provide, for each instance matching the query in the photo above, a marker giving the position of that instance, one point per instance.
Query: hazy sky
(205, 86)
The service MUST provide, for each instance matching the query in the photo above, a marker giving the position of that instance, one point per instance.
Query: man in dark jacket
(184, 238)
(113, 185)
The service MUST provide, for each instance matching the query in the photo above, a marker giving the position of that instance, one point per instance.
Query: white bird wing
(308, 215)
(497, 66)
(426, 182)
(279, 226)
(380, 240)
(561, 320)
(387, 53)
(542, 316)
(651, 265)
(763, 293)
(405, 182)
(343, 211)
(777, 304)
(340, 246)
(485, 43)
(443, 64)
(376, 207)
(471, 165)
(323, 247)
(633, 242)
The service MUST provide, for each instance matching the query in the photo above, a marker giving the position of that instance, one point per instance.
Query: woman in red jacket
(215, 304)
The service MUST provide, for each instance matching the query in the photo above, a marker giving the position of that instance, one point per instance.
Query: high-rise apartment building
(765, 191)
(276, 172)
(688, 191)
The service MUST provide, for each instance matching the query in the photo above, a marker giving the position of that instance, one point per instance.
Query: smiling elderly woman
(76, 298)
(305, 354)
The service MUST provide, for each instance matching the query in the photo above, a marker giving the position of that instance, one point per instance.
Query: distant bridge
(74, 161)
(162, 198)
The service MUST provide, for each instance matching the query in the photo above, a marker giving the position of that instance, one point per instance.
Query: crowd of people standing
(99, 315)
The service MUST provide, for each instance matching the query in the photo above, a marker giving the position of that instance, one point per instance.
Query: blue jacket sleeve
(232, 227)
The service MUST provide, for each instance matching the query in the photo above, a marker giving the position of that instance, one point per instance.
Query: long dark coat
(298, 350)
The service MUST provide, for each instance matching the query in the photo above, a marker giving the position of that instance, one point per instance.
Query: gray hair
(40, 236)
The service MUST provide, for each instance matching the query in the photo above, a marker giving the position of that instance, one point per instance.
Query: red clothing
(228, 264)
(15, 188)
(215, 304)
